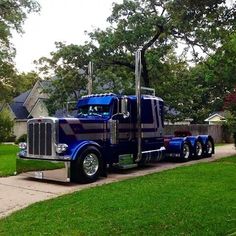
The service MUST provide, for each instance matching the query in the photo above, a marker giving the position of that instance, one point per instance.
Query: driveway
(17, 192)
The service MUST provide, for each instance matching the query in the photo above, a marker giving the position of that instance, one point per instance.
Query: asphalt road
(17, 192)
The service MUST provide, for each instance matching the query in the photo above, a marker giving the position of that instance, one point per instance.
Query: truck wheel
(198, 150)
(88, 166)
(209, 148)
(185, 153)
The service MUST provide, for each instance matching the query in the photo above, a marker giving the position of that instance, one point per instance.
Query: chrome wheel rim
(209, 147)
(198, 149)
(186, 151)
(90, 164)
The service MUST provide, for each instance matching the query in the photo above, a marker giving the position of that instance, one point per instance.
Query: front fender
(81, 146)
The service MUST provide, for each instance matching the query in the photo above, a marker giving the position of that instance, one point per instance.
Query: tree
(230, 105)
(17, 83)
(159, 26)
(222, 67)
(6, 125)
(66, 70)
(22, 82)
(230, 102)
(12, 16)
(216, 76)
(7, 72)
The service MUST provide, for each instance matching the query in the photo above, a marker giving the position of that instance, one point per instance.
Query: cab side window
(146, 111)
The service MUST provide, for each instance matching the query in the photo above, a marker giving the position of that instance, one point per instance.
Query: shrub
(6, 125)
(22, 139)
(11, 139)
(231, 126)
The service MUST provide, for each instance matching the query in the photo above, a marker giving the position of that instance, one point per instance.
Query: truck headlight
(22, 146)
(61, 147)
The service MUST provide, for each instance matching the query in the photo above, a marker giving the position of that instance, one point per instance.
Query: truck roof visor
(105, 100)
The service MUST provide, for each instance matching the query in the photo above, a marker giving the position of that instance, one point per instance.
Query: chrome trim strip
(157, 150)
(60, 173)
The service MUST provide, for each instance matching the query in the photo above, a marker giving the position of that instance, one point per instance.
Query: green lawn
(195, 200)
(8, 154)
(220, 144)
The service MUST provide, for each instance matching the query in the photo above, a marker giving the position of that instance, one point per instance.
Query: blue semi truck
(107, 130)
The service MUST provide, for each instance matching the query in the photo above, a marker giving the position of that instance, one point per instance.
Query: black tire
(185, 151)
(209, 148)
(198, 149)
(88, 166)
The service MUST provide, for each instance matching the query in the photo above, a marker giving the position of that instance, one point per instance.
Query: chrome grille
(40, 138)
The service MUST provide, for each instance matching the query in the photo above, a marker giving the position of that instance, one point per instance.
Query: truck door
(125, 127)
(123, 130)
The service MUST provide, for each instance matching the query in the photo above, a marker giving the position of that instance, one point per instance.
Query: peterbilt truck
(107, 130)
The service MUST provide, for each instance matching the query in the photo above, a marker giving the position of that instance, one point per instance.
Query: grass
(194, 200)
(220, 144)
(8, 154)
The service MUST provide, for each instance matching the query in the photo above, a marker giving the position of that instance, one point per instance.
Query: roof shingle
(19, 110)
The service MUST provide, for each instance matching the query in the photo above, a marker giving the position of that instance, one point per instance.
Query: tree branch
(159, 31)
(154, 7)
(122, 63)
(189, 41)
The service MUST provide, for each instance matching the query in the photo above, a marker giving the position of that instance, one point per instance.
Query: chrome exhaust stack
(138, 72)
(90, 78)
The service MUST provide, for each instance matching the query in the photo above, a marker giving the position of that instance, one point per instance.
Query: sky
(58, 21)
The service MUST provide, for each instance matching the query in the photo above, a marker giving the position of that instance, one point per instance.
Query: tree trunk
(145, 76)
(145, 70)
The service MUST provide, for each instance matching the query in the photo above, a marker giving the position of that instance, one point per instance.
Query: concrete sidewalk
(17, 192)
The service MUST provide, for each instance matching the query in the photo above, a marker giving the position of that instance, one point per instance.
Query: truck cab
(103, 132)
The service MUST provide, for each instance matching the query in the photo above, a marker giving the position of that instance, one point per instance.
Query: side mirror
(124, 107)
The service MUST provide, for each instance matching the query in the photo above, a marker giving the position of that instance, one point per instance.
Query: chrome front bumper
(44, 169)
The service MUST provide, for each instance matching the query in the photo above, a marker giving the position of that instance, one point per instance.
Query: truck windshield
(94, 110)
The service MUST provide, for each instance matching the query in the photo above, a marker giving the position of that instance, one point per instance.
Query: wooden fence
(219, 134)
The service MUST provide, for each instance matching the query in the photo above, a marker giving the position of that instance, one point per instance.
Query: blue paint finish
(81, 146)
(161, 104)
(74, 142)
(175, 145)
(192, 140)
(205, 139)
(103, 100)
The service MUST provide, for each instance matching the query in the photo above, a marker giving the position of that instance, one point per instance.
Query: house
(28, 105)
(216, 118)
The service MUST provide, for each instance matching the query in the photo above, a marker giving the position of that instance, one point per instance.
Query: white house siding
(20, 128)
(39, 109)
(35, 94)
(215, 120)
